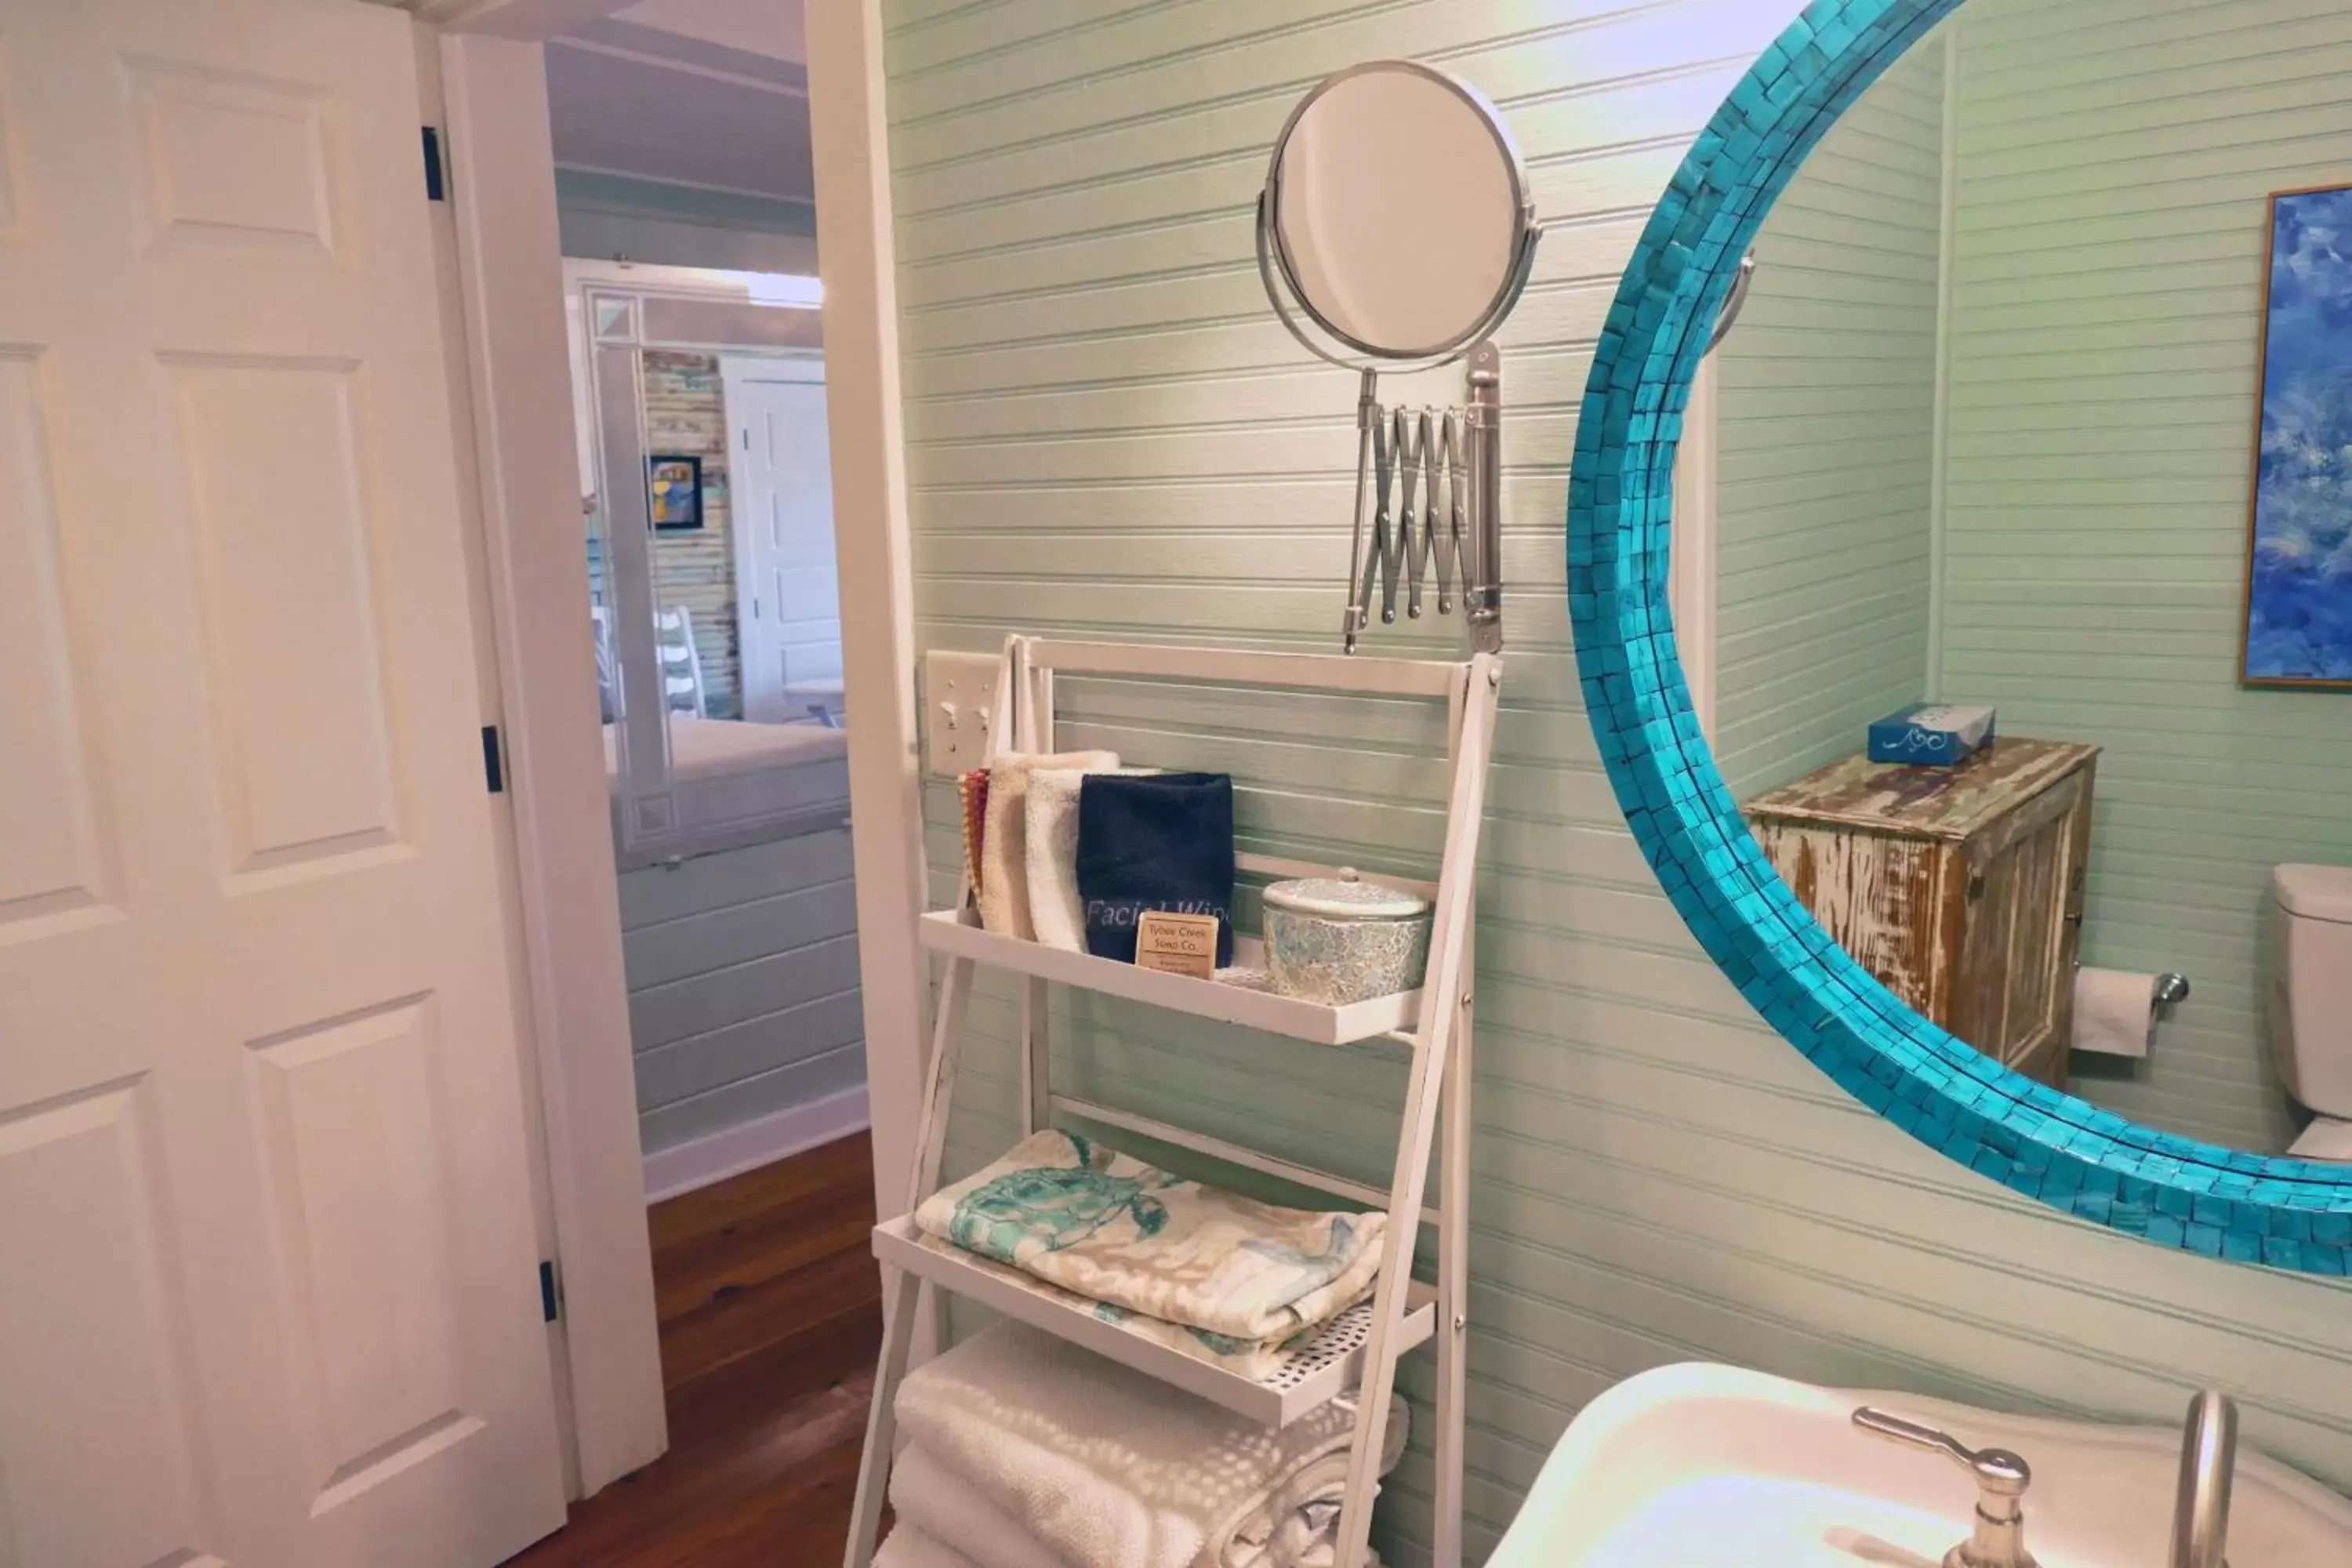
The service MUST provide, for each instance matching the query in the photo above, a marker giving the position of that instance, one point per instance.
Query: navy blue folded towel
(1155, 841)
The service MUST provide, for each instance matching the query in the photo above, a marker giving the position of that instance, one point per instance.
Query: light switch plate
(959, 695)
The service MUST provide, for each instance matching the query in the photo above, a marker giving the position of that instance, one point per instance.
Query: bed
(736, 783)
(710, 747)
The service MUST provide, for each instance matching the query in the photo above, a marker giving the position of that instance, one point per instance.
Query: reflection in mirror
(709, 536)
(1398, 210)
(782, 494)
(1987, 437)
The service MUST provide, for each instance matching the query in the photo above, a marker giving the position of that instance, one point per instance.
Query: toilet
(2311, 1001)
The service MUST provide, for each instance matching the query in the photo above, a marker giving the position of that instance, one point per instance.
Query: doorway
(706, 533)
(512, 234)
(709, 538)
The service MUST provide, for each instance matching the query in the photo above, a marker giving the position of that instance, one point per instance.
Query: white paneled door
(268, 1286)
(787, 589)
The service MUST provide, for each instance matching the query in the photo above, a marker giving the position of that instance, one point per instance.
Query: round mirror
(2028, 587)
(1396, 211)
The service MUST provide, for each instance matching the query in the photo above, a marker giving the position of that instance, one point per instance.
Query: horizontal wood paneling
(1826, 445)
(1108, 435)
(2106, 313)
(743, 984)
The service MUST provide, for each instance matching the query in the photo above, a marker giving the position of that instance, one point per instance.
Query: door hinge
(494, 769)
(550, 1301)
(436, 186)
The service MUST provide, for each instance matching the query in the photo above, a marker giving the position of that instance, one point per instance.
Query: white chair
(682, 665)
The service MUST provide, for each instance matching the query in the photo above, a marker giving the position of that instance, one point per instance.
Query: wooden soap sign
(1177, 944)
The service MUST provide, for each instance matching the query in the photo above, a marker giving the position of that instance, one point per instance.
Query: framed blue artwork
(2299, 549)
(673, 492)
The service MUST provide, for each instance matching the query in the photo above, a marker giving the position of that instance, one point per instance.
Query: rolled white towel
(1299, 1518)
(945, 1521)
(1003, 848)
(940, 1506)
(946, 1524)
(907, 1546)
(944, 1506)
(1321, 1555)
(1107, 1467)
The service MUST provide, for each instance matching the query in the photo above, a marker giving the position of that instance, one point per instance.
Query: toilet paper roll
(2114, 1012)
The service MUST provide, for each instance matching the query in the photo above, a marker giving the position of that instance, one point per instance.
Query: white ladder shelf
(1357, 1351)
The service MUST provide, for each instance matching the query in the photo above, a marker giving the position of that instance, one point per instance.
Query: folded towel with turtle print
(1115, 1230)
(1257, 1360)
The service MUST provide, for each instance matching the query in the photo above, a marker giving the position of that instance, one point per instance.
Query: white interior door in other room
(269, 1297)
(787, 589)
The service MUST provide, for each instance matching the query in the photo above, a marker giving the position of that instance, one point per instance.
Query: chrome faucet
(2209, 1460)
(1998, 1538)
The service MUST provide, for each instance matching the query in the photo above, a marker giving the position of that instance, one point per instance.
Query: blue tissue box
(1931, 735)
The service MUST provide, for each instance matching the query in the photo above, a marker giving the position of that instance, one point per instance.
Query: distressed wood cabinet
(1960, 888)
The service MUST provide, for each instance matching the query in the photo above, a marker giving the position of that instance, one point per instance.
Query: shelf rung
(1241, 666)
(958, 932)
(1233, 1155)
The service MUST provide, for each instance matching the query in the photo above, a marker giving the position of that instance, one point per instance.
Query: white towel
(1003, 850)
(909, 1547)
(1055, 907)
(944, 1506)
(1297, 1524)
(1106, 1466)
(1294, 1530)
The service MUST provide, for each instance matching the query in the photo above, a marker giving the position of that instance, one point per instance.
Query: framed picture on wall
(674, 487)
(2299, 536)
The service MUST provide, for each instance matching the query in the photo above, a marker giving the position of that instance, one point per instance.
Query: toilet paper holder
(2171, 987)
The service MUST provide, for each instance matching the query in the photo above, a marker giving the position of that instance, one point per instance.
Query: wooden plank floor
(771, 1310)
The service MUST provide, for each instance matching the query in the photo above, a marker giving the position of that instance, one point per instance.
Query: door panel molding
(265, 1192)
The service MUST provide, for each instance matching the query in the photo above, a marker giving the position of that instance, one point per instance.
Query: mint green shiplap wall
(2111, 240)
(1109, 435)
(1826, 444)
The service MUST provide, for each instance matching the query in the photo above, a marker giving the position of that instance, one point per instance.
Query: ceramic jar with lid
(1337, 939)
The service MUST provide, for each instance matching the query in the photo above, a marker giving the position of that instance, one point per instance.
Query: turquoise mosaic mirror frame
(2289, 1214)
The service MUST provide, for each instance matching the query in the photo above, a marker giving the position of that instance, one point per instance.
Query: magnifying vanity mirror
(2034, 417)
(1396, 221)
(1398, 209)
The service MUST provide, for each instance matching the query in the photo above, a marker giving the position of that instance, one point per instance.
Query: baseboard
(730, 1152)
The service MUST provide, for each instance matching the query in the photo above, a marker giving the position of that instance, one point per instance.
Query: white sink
(1712, 1465)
